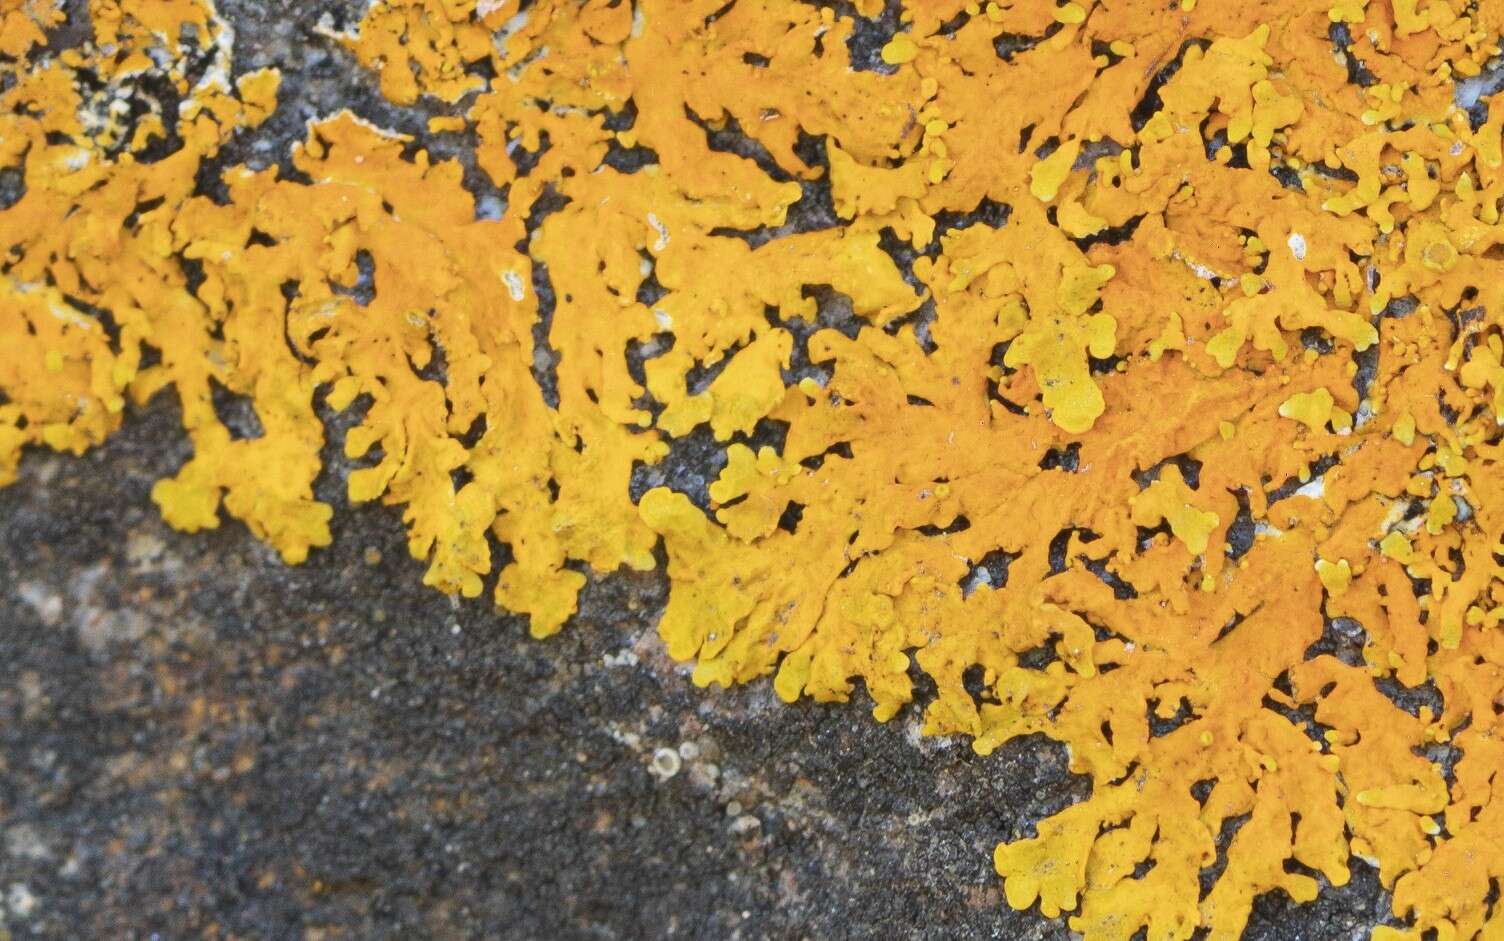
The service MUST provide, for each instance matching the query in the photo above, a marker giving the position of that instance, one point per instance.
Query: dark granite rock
(198, 741)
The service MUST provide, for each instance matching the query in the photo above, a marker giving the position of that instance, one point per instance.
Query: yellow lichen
(1201, 336)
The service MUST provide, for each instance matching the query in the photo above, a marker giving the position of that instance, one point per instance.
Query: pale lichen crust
(1100, 360)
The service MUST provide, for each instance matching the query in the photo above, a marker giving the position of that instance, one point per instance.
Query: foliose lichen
(1194, 315)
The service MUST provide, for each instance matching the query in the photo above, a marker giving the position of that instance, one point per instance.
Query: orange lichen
(24, 24)
(1191, 317)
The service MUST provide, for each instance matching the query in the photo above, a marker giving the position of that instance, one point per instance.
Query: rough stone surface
(197, 741)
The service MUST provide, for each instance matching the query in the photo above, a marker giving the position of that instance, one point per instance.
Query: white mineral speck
(489, 207)
(666, 763)
(24, 842)
(625, 658)
(20, 900)
(514, 284)
(1315, 489)
(703, 774)
(47, 604)
(662, 231)
(1298, 246)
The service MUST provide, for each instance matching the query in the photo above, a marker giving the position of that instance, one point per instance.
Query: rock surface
(197, 741)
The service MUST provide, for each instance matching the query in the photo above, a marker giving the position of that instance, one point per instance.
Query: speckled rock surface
(199, 742)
